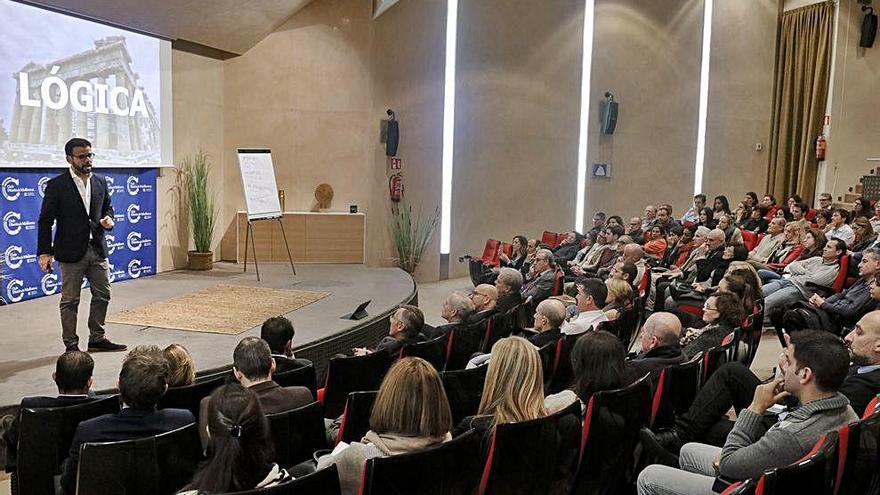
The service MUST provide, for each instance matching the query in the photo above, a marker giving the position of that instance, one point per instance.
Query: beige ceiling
(231, 25)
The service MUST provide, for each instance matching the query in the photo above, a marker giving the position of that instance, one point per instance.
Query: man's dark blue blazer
(63, 204)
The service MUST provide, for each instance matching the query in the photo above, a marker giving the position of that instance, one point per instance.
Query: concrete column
(14, 124)
(102, 126)
(134, 133)
(121, 124)
(64, 125)
(50, 130)
(36, 125)
(82, 129)
(24, 125)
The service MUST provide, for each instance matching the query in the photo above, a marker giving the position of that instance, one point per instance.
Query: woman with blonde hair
(620, 296)
(513, 390)
(183, 370)
(786, 252)
(411, 413)
(864, 234)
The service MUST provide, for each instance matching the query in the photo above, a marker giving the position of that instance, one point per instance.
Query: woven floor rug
(226, 309)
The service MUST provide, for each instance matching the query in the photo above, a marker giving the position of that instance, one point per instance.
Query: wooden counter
(331, 237)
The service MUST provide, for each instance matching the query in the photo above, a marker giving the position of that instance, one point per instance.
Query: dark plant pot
(200, 261)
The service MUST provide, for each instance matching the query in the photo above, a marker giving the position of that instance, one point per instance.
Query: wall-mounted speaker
(609, 114)
(869, 28)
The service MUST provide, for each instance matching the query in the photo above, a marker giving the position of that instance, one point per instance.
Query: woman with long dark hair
(240, 451)
(720, 207)
(517, 257)
(598, 364)
(751, 199)
(706, 219)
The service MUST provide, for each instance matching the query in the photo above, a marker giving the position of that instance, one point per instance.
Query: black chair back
(813, 474)
(548, 360)
(464, 388)
(450, 468)
(675, 388)
(298, 433)
(857, 466)
(323, 482)
(156, 465)
(190, 396)
(464, 341)
(533, 457)
(609, 436)
(563, 373)
(432, 351)
(45, 438)
(625, 325)
(500, 325)
(715, 357)
(351, 374)
(303, 376)
(356, 418)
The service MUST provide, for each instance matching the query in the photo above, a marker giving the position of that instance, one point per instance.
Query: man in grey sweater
(781, 293)
(813, 369)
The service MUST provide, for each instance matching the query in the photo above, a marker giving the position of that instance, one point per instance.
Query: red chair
(811, 474)
(790, 257)
(674, 391)
(490, 257)
(840, 279)
(771, 213)
(559, 283)
(717, 356)
(811, 214)
(750, 239)
(549, 238)
(871, 407)
(507, 249)
(857, 456)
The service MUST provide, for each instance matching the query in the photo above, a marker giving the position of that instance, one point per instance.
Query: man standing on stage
(78, 201)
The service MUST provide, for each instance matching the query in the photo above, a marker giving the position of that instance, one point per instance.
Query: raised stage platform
(31, 332)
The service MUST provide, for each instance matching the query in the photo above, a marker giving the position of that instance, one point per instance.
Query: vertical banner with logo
(131, 243)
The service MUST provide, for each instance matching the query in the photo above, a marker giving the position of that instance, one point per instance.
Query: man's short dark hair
(599, 214)
(277, 331)
(616, 230)
(676, 229)
(825, 354)
(413, 319)
(144, 377)
(253, 358)
(73, 370)
(631, 270)
(843, 214)
(76, 143)
(595, 288)
(803, 206)
(701, 197)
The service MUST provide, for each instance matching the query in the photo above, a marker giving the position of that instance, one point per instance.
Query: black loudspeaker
(609, 116)
(869, 28)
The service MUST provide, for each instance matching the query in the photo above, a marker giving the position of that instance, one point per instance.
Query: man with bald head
(484, 297)
(863, 382)
(660, 344)
(549, 316)
(633, 253)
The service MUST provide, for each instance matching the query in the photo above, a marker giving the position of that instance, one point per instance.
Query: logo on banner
(14, 258)
(112, 245)
(12, 189)
(135, 241)
(136, 268)
(49, 283)
(114, 273)
(118, 217)
(134, 214)
(16, 290)
(133, 186)
(12, 223)
(41, 185)
(111, 186)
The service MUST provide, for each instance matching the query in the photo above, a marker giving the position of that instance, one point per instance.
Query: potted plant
(411, 234)
(196, 172)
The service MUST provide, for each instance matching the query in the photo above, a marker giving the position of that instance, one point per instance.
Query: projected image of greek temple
(94, 94)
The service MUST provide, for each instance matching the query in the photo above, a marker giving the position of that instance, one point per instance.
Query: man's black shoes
(664, 446)
(105, 346)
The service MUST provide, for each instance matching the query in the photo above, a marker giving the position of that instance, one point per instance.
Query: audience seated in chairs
(514, 387)
(142, 382)
(693, 213)
(278, 332)
(72, 376)
(813, 369)
(240, 450)
(756, 223)
(484, 297)
(411, 413)
(549, 316)
(508, 285)
(660, 345)
(813, 243)
(601, 254)
(655, 242)
(457, 311)
(650, 217)
(591, 296)
(783, 254)
(406, 325)
(567, 249)
(865, 236)
(821, 270)
(634, 230)
(679, 243)
(684, 271)
(837, 311)
(598, 221)
(519, 251)
(620, 297)
(253, 366)
(182, 369)
(597, 362)
(723, 313)
(542, 277)
(839, 227)
(799, 212)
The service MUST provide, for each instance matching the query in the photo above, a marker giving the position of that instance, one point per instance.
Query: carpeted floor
(226, 309)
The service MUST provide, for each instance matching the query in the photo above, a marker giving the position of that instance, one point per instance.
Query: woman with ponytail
(240, 452)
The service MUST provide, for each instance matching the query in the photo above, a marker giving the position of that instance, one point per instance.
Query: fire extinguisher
(395, 185)
(820, 147)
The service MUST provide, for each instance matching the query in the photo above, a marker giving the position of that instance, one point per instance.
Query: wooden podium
(331, 237)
